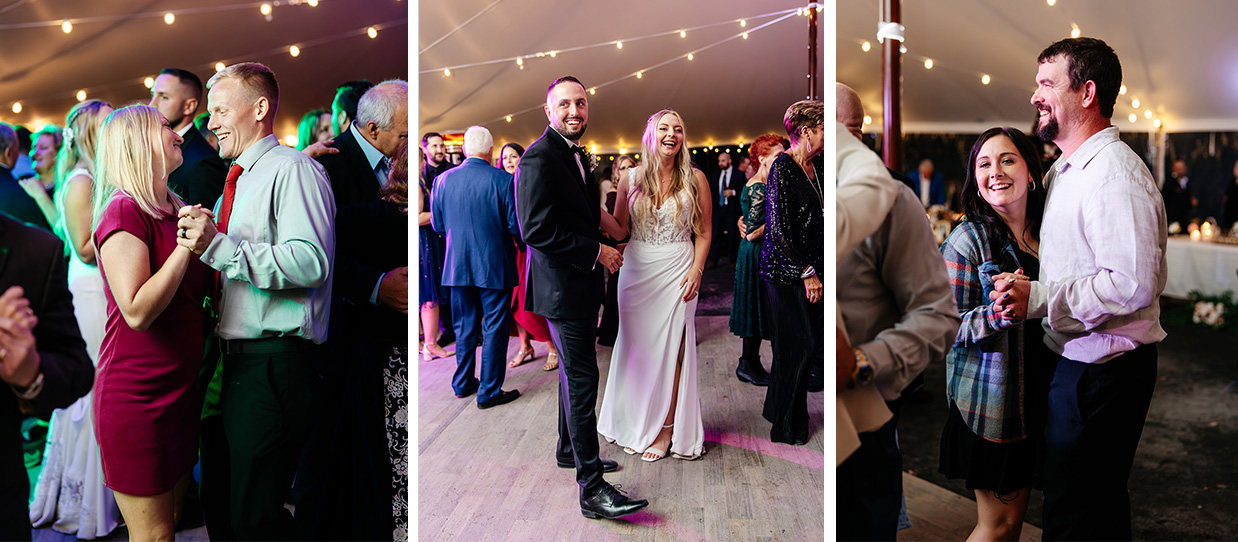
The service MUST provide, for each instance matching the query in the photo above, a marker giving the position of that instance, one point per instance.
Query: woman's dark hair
(516, 146)
(978, 211)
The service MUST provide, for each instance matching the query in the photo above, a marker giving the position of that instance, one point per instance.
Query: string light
(638, 74)
(1133, 118)
(866, 46)
(17, 107)
(66, 26)
(867, 120)
(290, 140)
(520, 62)
(1156, 123)
(313, 3)
(149, 82)
(1051, 2)
(219, 66)
(743, 23)
(81, 95)
(509, 118)
(372, 32)
(985, 79)
(683, 33)
(623, 150)
(265, 9)
(554, 54)
(447, 72)
(294, 51)
(745, 35)
(619, 44)
(1135, 103)
(1122, 90)
(1074, 32)
(169, 18)
(1147, 113)
(593, 91)
(928, 63)
(690, 56)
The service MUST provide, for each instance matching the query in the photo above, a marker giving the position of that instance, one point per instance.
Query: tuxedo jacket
(736, 183)
(474, 206)
(17, 203)
(34, 259)
(559, 217)
(200, 179)
(352, 183)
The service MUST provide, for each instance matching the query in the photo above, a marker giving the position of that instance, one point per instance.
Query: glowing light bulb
(219, 66)
(593, 91)
(638, 74)
(81, 95)
(520, 62)
(1156, 123)
(867, 120)
(372, 32)
(743, 23)
(1147, 113)
(985, 79)
(149, 82)
(1133, 118)
(928, 64)
(619, 44)
(446, 72)
(1135, 103)
(1122, 90)
(690, 57)
(313, 3)
(554, 54)
(745, 35)
(623, 150)
(66, 26)
(683, 33)
(290, 140)
(1051, 2)
(509, 118)
(169, 18)
(294, 50)
(17, 107)
(593, 149)
(1074, 33)
(866, 46)
(265, 9)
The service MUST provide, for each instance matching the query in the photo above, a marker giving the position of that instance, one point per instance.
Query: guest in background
(725, 187)
(608, 327)
(431, 294)
(42, 186)
(13, 198)
(745, 165)
(70, 493)
(146, 404)
(474, 206)
(746, 321)
(996, 372)
(315, 127)
(202, 120)
(366, 481)
(44, 366)
(1179, 195)
(436, 162)
(25, 163)
(1231, 201)
(929, 184)
(344, 105)
(529, 326)
(791, 255)
(177, 94)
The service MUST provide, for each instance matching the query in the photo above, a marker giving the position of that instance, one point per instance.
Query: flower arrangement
(1217, 311)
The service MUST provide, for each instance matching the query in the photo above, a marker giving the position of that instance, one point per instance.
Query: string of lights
(168, 16)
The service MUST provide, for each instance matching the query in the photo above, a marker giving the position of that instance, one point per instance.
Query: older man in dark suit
(177, 94)
(13, 198)
(475, 209)
(559, 220)
(43, 360)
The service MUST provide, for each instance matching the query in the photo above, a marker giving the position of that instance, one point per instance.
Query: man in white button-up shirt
(1102, 258)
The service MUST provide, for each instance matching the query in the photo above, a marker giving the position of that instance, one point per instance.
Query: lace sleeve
(756, 207)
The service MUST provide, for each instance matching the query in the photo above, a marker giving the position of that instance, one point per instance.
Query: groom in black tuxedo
(559, 218)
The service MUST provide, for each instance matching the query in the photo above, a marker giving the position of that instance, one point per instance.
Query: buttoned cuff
(219, 252)
(374, 294)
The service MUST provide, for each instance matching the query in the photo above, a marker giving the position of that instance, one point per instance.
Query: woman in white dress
(70, 493)
(651, 404)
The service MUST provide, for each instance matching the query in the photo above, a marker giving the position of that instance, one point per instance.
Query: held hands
(691, 283)
(743, 228)
(813, 289)
(19, 358)
(1009, 295)
(196, 228)
(610, 258)
(393, 289)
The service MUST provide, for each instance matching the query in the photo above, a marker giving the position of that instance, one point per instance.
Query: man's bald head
(848, 109)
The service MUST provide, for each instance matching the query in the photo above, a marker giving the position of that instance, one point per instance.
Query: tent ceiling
(1180, 59)
(43, 68)
(730, 93)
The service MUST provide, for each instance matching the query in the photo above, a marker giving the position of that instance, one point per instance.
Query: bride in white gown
(651, 403)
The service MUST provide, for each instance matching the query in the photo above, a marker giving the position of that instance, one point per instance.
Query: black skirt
(986, 465)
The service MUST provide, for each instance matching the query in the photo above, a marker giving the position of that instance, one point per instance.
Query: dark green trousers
(269, 402)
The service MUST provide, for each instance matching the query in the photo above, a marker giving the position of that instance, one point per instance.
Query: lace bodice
(663, 227)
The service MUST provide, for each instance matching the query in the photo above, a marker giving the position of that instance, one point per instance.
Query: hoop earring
(1033, 184)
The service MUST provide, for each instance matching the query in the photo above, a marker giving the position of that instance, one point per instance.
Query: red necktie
(225, 210)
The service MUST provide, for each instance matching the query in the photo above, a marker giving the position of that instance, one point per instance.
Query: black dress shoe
(752, 372)
(606, 501)
(502, 398)
(469, 391)
(607, 465)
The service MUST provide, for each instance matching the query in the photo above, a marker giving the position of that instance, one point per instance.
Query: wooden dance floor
(491, 474)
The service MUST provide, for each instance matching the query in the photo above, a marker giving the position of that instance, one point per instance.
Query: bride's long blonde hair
(647, 176)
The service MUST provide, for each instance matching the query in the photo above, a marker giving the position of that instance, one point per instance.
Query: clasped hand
(19, 357)
(195, 228)
(1009, 295)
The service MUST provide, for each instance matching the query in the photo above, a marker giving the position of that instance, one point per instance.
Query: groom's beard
(563, 130)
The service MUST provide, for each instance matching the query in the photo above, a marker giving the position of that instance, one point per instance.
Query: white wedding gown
(70, 493)
(654, 322)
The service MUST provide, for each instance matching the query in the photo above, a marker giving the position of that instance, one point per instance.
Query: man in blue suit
(928, 184)
(474, 206)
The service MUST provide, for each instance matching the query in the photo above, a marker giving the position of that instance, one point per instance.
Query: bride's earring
(1033, 186)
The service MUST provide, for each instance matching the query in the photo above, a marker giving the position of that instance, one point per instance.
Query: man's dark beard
(571, 136)
(1047, 131)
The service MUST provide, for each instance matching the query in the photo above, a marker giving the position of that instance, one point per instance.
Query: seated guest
(43, 360)
(146, 406)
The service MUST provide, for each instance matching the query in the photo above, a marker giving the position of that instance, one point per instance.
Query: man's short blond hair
(256, 78)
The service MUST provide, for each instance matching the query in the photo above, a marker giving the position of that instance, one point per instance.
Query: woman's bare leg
(999, 517)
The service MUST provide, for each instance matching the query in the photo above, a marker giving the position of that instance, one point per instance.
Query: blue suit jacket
(937, 187)
(474, 206)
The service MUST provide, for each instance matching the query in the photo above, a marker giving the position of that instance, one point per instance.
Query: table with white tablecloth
(1211, 268)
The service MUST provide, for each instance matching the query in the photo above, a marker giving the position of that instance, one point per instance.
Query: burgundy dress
(146, 405)
(534, 324)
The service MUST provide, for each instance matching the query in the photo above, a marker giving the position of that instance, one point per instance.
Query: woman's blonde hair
(130, 158)
(77, 150)
(647, 176)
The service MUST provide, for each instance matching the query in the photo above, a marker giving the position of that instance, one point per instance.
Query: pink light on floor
(795, 454)
(646, 518)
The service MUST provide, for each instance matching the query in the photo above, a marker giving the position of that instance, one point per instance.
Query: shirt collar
(251, 155)
(570, 145)
(1090, 148)
(184, 130)
(372, 154)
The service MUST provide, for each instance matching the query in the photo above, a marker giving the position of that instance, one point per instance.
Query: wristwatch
(862, 375)
(32, 391)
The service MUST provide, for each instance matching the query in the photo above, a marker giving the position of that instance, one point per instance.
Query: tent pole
(814, 89)
(891, 75)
